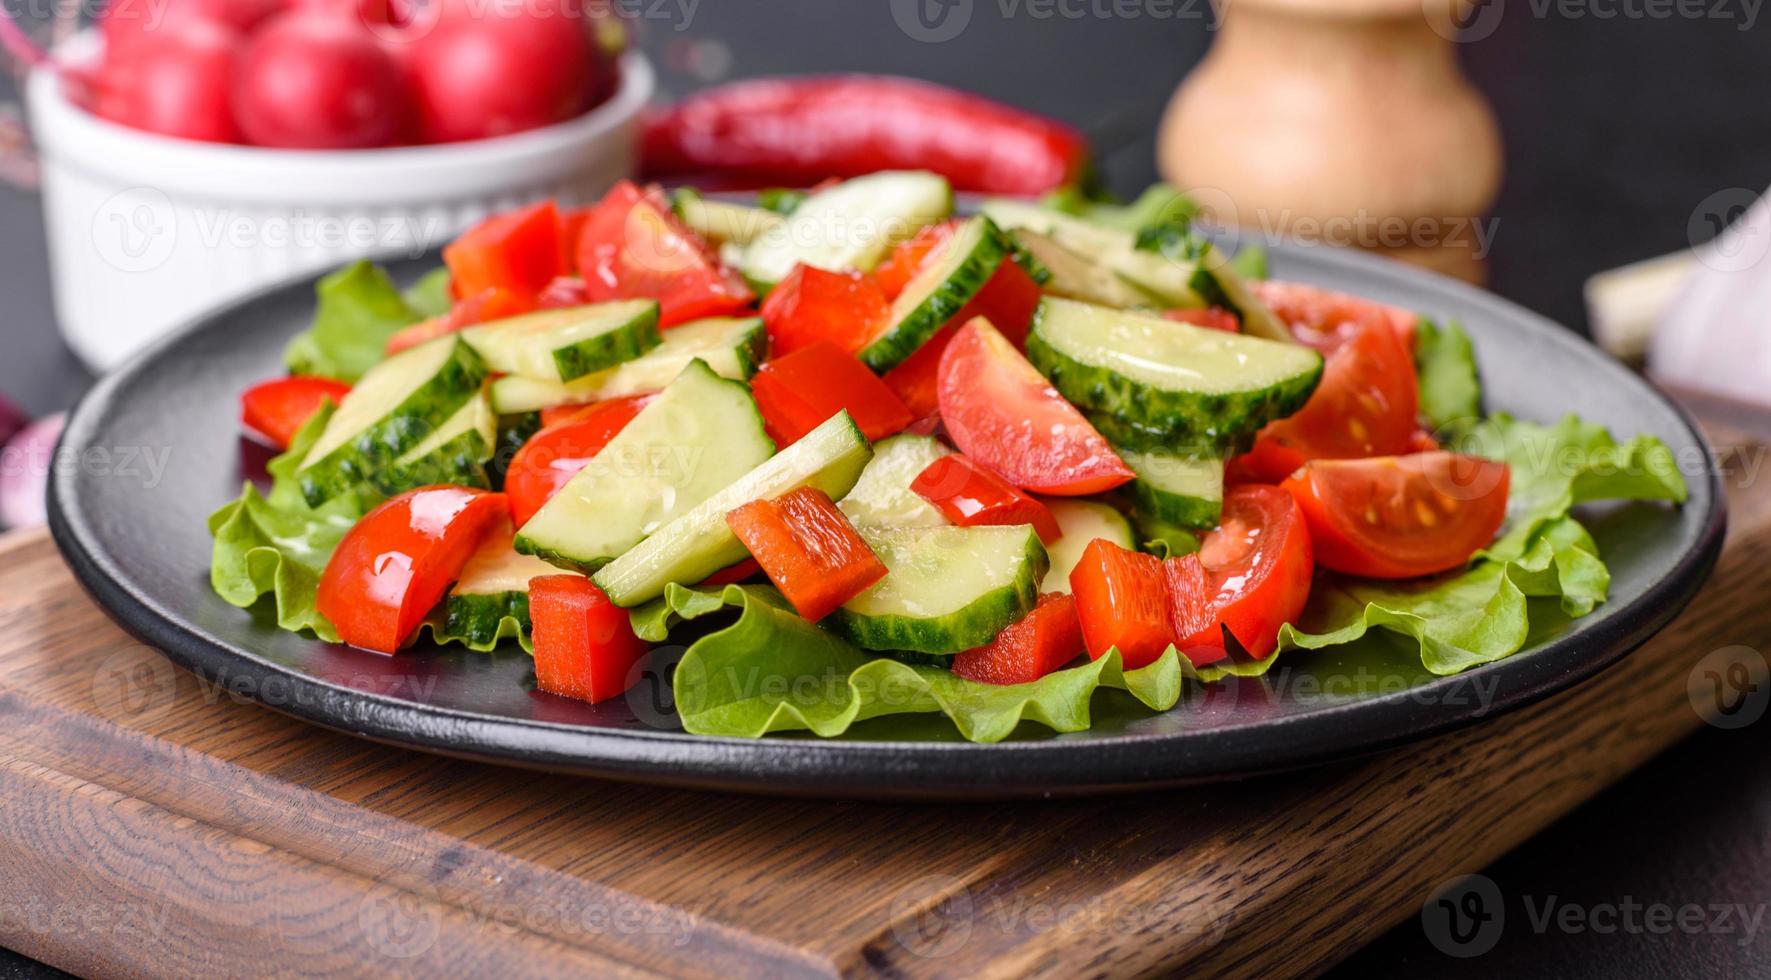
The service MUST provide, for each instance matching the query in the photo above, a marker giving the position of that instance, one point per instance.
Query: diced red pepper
(732, 574)
(799, 392)
(518, 252)
(1211, 318)
(809, 550)
(810, 305)
(1044, 640)
(493, 304)
(585, 647)
(278, 409)
(551, 457)
(1192, 608)
(972, 495)
(633, 247)
(1122, 601)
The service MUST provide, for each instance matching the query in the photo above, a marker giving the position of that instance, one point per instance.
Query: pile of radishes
(349, 74)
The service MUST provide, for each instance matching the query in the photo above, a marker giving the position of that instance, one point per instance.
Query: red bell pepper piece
(799, 392)
(1211, 318)
(395, 564)
(732, 574)
(585, 647)
(551, 457)
(278, 409)
(633, 247)
(811, 305)
(493, 304)
(518, 252)
(809, 550)
(1044, 640)
(797, 131)
(1192, 609)
(1122, 601)
(971, 495)
(572, 222)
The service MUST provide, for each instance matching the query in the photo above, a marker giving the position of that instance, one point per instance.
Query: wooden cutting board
(151, 826)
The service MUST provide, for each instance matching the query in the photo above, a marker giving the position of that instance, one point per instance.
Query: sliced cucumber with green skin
(1082, 521)
(1199, 386)
(697, 437)
(1219, 284)
(1169, 281)
(965, 263)
(850, 226)
(946, 589)
(699, 543)
(1074, 276)
(513, 432)
(882, 497)
(567, 344)
(1162, 539)
(456, 453)
(494, 585)
(1182, 489)
(722, 222)
(398, 404)
(731, 346)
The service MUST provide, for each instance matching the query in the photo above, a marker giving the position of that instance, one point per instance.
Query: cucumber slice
(850, 226)
(1181, 489)
(1168, 280)
(456, 453)
(1199, 386)
(699, 543)
(731, 346)
(882, 497)
(697, 437)
(494, 585)
(566, 344)
(398, 404)
(1075, 277)
(514, 431)
(965, 263)
(946, 589)
(722, 222)
(1081, 521)
(1162, 539)
(1219, 284)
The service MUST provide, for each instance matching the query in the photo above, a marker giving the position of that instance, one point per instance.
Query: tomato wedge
(1401, 516)
(813, 305)
(801, 391)
(809, 550)
(1325, 319)
(551, 457)
(1211, 318)
(632, 247)
(970, 495)
(1001, 412)
(1259, 563)
(278, 409)
(1046, 639)
(393, 567)
(1122, 602)
(1365, 406)
(517, 251)
(585, 647)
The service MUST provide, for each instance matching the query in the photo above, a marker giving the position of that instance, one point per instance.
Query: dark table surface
(1617, 128)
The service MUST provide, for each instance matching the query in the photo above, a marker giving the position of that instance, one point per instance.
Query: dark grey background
(1618, 129)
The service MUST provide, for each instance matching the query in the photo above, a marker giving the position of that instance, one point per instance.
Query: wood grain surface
(152, 826)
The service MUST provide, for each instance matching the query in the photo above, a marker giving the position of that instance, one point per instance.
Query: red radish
(176, 86)
(498, 67)
(375, 14)
(318, 82)
(24, 472)
(125, 23)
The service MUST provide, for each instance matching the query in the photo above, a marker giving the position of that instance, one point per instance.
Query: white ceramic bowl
(146, 231)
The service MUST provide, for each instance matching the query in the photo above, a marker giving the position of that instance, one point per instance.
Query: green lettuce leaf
(359, 309)
(1445, 362)
(1251, 262)
(1159, 205)
(771, 671)
(430, 295)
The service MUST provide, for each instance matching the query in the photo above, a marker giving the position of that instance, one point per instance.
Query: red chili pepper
(798, 131)
(1122, 602)
(972, 495)
(797, 393)
(585, 647)
(278, 409)
(1047, 638)
(809, 550)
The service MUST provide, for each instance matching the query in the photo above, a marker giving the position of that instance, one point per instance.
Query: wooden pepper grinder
(1345, 121)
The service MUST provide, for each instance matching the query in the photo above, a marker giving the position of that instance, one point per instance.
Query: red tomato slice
(585, 647)
(572, 222)
(809, 550)
(1046, 639)
(970, 495)
(632, 247)
(551, 457)
(1325, 319)
(1259, 562)
(1122, 602)
(1001, 412)
(277, 409)
(518, 251)
(813, 305)
(1211, 318)
(493, 304)
(801, 391)
(1365, 406)
(393, 567)
(1401, 516)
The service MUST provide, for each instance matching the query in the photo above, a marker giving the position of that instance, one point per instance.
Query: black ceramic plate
(140, 546)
